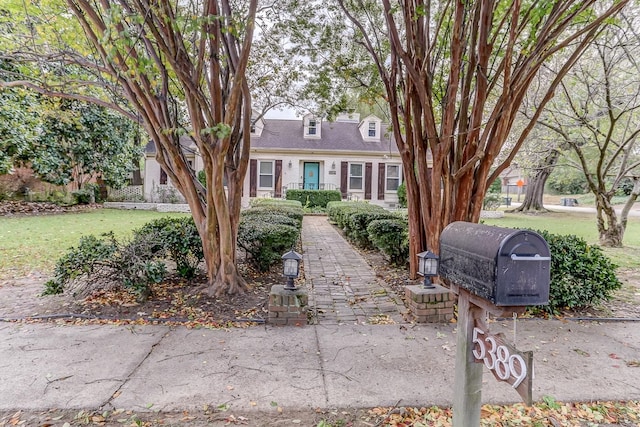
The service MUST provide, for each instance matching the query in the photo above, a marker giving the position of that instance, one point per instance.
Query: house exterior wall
(349, 159)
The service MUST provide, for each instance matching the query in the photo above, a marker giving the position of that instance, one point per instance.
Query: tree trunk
(533, 199)
(610, 231)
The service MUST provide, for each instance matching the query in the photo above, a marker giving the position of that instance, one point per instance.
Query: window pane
(266, 181)
(372, 129)
(393, 171)
(355, 183)
(355, 169)
(266, 167)
(392, 184)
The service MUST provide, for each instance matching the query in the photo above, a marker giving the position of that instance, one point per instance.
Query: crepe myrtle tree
(180, 66)
(455, 74)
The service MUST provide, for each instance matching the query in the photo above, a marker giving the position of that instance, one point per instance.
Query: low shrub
(266, 237)
(275, 202)
(178, 240)
(391, 237)
(102, 263)
(314, 198)
(340, 212)
(294, 213)
(84, 196)
(356, 228)
(581, 274)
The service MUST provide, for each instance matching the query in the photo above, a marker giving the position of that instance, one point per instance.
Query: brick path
(342, 287)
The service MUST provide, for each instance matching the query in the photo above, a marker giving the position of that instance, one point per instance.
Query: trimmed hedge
(340, 212)
(274, 202)
(266, 237)
(290, 212)
(268, 230)
(314, 198)
(391, 237)
(356, 229)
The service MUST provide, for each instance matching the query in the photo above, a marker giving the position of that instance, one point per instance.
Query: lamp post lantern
(291, 267)
(427, 267)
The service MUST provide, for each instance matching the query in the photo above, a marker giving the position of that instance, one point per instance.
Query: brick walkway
(343, 288)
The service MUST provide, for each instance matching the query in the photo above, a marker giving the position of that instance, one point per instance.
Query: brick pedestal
(288, 307)
(430, 305)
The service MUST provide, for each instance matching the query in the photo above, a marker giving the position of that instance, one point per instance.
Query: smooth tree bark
(181, 67)
(455, 74)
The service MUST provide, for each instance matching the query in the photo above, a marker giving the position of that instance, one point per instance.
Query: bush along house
(357, 157)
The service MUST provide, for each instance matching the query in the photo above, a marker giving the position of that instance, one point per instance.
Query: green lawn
(582, 225)
(34, 243)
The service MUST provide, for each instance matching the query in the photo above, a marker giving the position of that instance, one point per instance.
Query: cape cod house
(357, 157)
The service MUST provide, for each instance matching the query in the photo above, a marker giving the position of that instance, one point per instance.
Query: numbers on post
(498, 359)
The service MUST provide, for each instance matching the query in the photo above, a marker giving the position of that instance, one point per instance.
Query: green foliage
(275, 202)
(266, 234)
(581, 275)
(491, 201)
(294, 213)
(356, 229)
(402, 195)
(567, 181)
(84, 196)
(177, 239)
(136, 263)
(81, 141)
(82, 260)
(314, 198)
(339, 212)
(391, 237)
(202, 177)
(495, 187)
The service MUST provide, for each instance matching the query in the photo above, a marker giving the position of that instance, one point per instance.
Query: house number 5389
(498, 359)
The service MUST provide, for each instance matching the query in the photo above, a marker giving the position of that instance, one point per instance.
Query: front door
(311, 175)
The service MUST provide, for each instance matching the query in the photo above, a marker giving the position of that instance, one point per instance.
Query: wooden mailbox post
(498, 271)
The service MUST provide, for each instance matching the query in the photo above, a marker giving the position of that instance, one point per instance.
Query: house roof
(335, 136)
(288, 135)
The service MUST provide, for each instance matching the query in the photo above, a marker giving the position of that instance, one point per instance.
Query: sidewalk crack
(322, 367)
(117, 392)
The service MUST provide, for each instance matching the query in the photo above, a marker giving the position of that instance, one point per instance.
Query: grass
(582, 225)
(34, 243)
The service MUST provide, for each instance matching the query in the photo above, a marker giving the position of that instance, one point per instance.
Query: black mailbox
(505, 266)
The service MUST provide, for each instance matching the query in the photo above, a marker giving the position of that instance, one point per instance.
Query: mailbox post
(498, 271)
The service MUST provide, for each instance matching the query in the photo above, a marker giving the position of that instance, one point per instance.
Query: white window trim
(386, 177)
(260, 174)
(373, 128)
(356, 176)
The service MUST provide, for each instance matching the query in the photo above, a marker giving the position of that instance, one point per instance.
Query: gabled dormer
(311, 127)
(371, 128)
(257, 125)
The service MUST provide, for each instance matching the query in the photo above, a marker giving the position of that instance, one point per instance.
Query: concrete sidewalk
(334, 366)
(343, 361)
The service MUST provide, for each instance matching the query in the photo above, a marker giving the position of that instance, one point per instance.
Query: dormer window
(253, 128)
(372, 129)
(312, 127)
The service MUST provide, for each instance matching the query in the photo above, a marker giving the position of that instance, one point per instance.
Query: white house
(357, 157)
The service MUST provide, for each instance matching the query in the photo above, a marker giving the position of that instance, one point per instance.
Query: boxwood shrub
(266, 236)
(581, 274)
(356, 228)
(391, 237)
(294, 213)
(314, 198)
(275, 202)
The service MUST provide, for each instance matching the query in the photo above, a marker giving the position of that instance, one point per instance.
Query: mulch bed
(23, 208)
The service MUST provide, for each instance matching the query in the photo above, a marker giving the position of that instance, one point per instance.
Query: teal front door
(311, 175)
